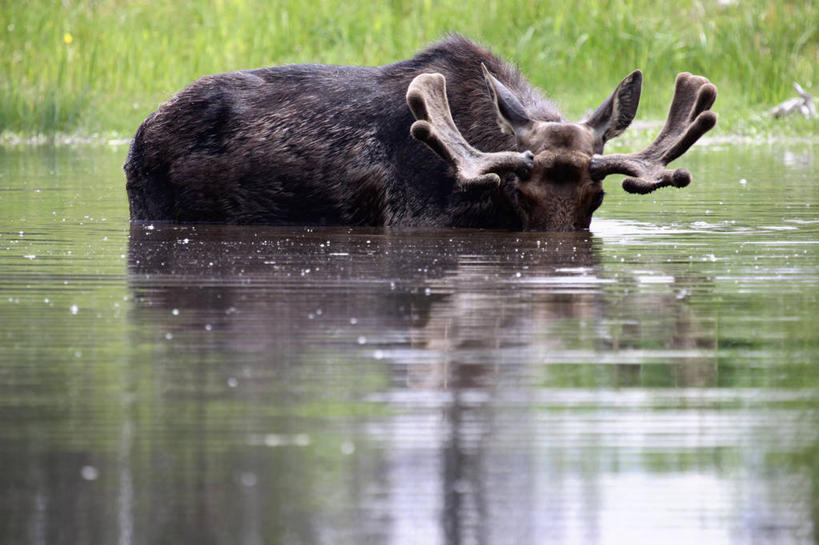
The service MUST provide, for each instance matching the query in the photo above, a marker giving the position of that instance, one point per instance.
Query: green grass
(102, 66)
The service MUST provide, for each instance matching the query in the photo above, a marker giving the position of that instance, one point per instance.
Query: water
(653, 381)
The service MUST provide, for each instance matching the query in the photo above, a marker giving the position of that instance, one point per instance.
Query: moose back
(451, 137)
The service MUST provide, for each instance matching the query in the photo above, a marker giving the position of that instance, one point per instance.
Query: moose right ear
(512, 117)
(617, 112)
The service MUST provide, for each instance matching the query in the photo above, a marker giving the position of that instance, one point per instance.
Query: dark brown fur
(317, 144)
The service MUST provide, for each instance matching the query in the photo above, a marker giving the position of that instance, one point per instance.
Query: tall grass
(104, 65)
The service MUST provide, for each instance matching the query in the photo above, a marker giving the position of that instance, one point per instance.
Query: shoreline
(640, 133)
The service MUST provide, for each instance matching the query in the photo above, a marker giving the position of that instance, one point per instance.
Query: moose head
(553, 179)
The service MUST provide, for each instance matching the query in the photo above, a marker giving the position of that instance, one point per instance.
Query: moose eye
(597, 200)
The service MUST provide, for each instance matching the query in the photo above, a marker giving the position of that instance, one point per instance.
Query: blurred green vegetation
(102, 66)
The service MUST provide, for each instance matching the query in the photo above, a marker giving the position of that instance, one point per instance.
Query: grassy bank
(88, 67)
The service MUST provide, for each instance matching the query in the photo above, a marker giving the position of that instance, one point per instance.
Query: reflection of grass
(102, 66)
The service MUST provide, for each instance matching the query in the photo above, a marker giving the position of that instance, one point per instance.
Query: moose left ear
(617, 112)
(512, 117)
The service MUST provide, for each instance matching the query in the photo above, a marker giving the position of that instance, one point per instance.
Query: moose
(453, 137)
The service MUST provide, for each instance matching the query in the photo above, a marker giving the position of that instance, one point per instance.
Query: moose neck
(485, 208)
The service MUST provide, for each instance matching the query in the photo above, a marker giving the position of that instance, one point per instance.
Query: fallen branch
(802, 104)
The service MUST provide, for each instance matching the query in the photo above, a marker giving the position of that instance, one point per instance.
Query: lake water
(655, 380)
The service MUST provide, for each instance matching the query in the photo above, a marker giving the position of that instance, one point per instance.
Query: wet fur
(322, 145)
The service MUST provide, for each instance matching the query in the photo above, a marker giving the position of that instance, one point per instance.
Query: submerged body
(331, 145)
(317, 144)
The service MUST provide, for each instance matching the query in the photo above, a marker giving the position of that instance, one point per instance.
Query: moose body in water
(397, 145)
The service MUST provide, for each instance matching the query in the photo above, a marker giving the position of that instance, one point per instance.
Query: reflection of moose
(400, 282)
(315, 144)
(445, 310)
(394, 279)
(459, 299)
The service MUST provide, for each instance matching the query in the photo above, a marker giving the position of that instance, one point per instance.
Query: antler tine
(426, 97)
(689, 117)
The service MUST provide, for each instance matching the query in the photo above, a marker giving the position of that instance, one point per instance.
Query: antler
(426, 97)
(688, 119)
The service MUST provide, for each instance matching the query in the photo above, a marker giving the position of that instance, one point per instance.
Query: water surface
(653, 380)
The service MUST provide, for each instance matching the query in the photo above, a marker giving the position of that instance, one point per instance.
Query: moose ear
(617, 112)
(512, 117)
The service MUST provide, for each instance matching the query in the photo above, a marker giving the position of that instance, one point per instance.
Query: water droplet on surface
(362, 340)
(461, 486)
(89, 473)
(74, 309)
(248, 479)
(232, 382)
(347, 447)
(175, 312)
(353, 321)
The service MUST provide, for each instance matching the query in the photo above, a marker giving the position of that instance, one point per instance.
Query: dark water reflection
(653, 381)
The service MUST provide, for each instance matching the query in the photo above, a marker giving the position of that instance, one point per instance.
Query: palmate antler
(688, 119)
(426, 97)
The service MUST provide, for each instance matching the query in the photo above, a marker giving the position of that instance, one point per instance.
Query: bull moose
(348, 145)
